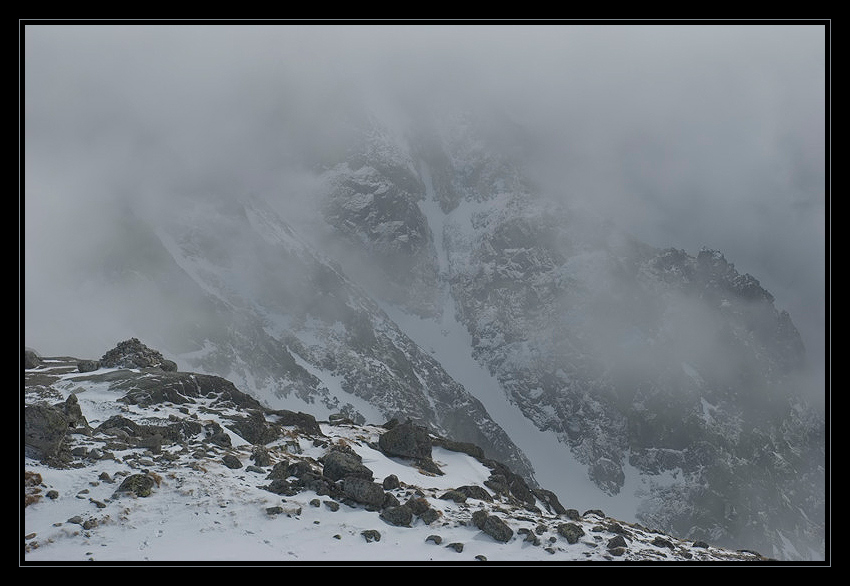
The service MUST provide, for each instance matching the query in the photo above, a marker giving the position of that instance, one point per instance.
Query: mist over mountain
(598, 259)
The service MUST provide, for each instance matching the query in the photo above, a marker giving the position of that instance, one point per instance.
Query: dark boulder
(401, 516)
(282, 487)
(406, 440)
(363, 491)
(661, 542)
(279, 470)
(303, 421)
(120, 426)
(254, 428)
(231, 461)
(492, 525)
(572, 514)
(617, 541)
(429, 515)
(162, 387)
(45, 431)
(137, 485)
(338, 465)
(617, 528)
(417, 504)
(390, 500)
(475, 492)
(571, 531)
(453, 495)
(320, 485)
(391, 482)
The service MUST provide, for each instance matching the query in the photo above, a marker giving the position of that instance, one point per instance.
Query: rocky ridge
(138, 433)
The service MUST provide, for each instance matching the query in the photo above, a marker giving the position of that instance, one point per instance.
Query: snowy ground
(202, 511)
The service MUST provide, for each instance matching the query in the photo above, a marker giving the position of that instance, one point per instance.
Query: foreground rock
(172, 430)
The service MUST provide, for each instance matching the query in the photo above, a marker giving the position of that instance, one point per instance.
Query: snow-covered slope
(213, 492)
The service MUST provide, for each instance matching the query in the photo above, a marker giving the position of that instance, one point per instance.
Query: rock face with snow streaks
(633, 356)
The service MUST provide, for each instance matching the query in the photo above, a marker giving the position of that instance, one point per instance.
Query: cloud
(687, 135)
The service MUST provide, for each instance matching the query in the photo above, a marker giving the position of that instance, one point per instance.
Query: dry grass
(32, 492)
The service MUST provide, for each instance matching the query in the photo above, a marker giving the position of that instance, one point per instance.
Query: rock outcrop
(133, 354)
(167, 438)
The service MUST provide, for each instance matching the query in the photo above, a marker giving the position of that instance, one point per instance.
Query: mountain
(129, 460)
(424, 276)
(257, 305)
(644, 363)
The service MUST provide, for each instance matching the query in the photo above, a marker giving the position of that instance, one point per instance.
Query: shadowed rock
(406, 440)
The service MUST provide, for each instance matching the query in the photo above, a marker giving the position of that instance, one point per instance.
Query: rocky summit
(138, 462)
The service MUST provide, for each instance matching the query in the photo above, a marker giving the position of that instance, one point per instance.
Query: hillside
(130, 460)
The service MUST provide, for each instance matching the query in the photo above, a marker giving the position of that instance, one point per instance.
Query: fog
(684, 135)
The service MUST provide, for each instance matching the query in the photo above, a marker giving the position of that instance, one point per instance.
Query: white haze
(685, 135)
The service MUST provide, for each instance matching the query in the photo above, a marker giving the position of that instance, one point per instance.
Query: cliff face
(637, 359)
